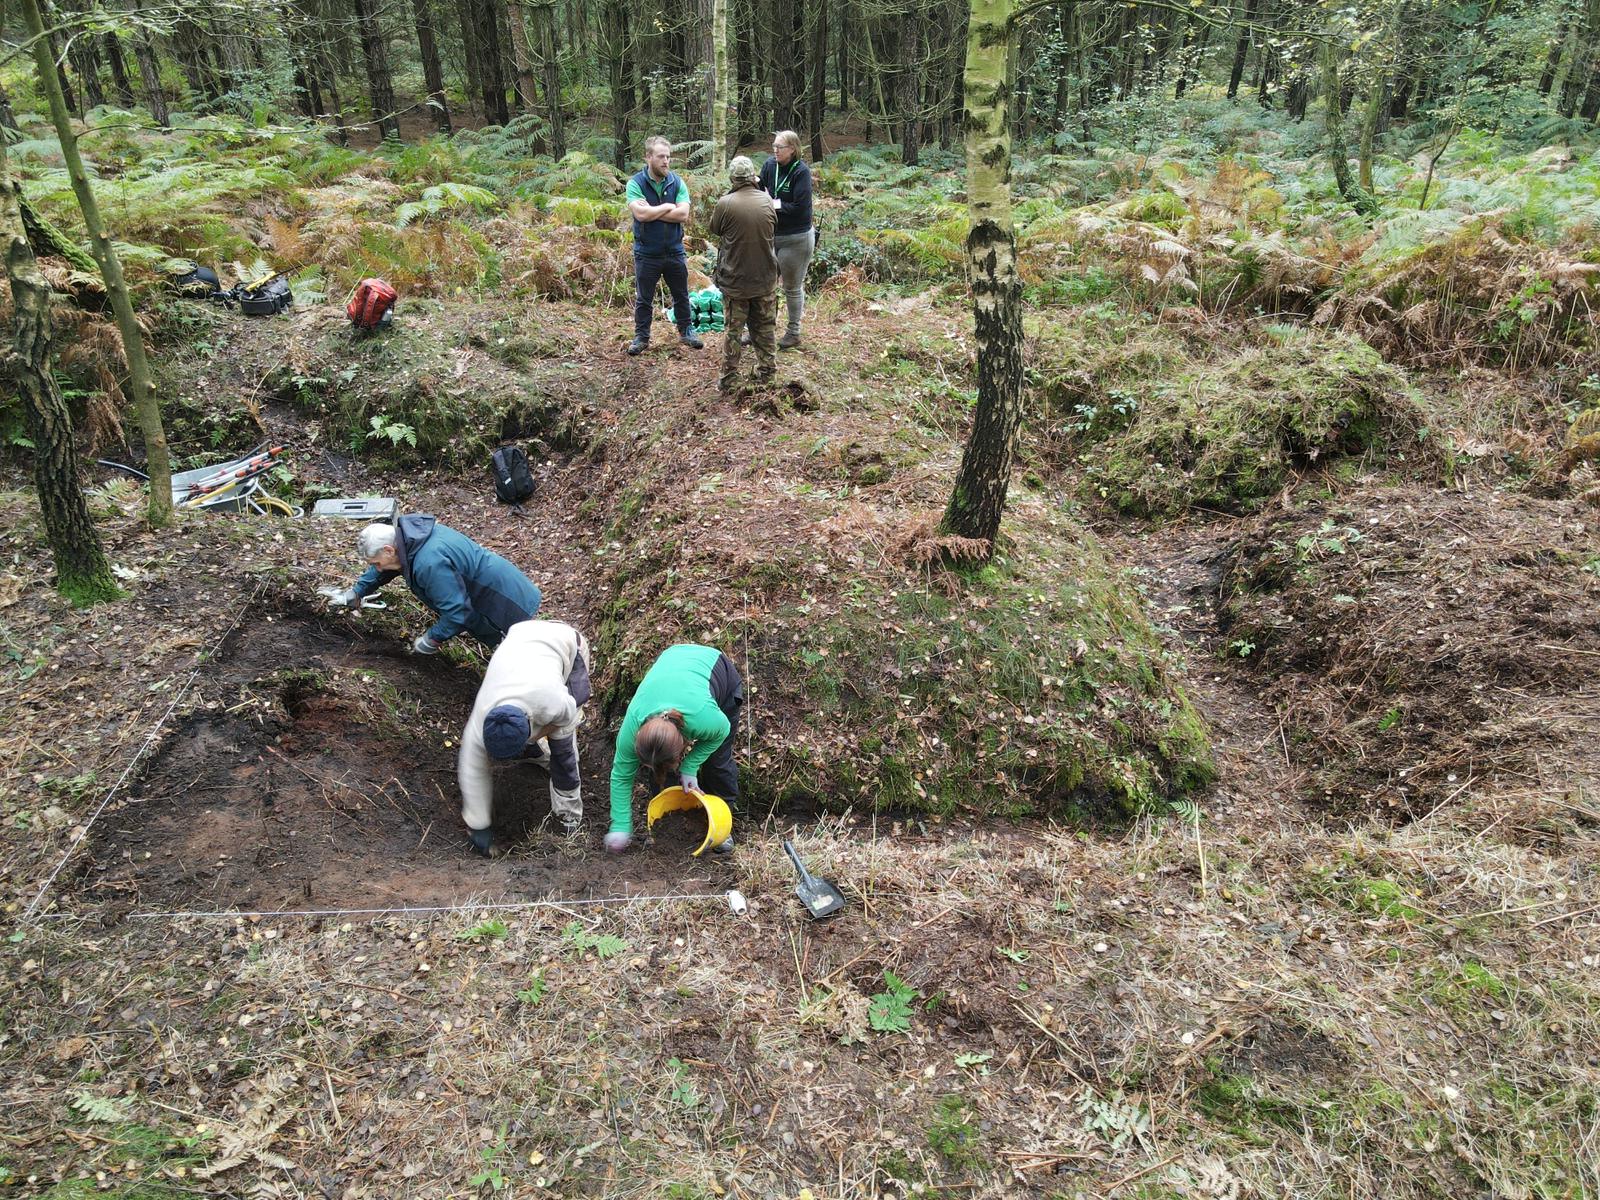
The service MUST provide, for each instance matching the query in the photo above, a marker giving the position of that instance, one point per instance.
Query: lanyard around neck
(779, 180)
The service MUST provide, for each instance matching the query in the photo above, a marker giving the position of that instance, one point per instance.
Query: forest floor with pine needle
(1364, 960)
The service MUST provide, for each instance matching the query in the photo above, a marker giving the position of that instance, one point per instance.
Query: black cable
(106, 462)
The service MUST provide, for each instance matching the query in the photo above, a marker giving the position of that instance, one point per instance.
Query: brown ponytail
(660, 744)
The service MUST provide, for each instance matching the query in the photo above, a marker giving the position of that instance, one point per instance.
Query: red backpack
(369, 303)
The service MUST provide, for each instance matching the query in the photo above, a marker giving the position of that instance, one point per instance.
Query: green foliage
(890, 1009)
(1115, 1118)
(604, 945)
(107, 1110)
(442, 197)
(490, 930)
(534, 993)
(396, 431)
(491, 1174)
(684, 1092)
(954, 1137)
(578, 176)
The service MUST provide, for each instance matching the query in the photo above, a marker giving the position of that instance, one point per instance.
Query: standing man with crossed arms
(659, 203)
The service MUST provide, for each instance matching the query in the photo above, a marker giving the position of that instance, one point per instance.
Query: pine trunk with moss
(141, 386)
(82, 573)
(1333, 134)
(979, 497)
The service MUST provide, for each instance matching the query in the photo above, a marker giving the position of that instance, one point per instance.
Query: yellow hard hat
(719, 821)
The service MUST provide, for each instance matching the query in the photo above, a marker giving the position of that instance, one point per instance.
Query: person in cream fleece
(529, 706)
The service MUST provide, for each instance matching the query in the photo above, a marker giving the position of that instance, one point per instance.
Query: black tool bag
(265, 297)
(513, 481)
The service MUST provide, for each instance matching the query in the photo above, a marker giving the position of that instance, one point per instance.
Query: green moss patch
(1163, 421)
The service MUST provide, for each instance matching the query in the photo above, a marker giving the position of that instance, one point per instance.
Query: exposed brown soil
(322, 776)
(1419, 642)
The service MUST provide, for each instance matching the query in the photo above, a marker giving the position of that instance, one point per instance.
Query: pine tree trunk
(721, 81)
(120, 82)
(491, 62)
(467, 15)
(380, 84)
(1241, 48)
(63, 80)
(979, 497)
(86, 63)
(793, 67)
(749, 122)
(910, 90)
(1579, 64)
(150, 77)
(527, 91)
(615, 37)
(817, 111)
(140, 385)
(1552, 60)
(82, 573)
(550, 76)
(841, 58)
(432, 72)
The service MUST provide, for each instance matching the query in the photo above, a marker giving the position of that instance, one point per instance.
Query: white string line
(83, 830)
(411, 910)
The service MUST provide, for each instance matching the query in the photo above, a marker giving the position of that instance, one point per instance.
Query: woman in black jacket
(787, 179)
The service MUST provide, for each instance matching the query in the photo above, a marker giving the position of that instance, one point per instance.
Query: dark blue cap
(505, 731)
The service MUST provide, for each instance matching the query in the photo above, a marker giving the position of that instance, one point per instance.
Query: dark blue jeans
(648, 270)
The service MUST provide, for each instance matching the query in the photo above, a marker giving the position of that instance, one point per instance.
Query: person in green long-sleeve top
(682, 720)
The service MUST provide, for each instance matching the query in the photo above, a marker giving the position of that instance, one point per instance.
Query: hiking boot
(723, 847)
(691, 339)
(789, 340)
(482, 840)
(571, 824)
(639, 345)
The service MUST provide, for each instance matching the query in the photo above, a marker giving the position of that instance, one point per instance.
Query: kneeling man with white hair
(529, 706)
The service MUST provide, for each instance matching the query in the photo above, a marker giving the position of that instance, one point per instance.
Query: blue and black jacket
(657, 239)
(468, 588)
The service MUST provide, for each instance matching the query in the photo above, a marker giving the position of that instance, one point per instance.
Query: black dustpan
(819, 896)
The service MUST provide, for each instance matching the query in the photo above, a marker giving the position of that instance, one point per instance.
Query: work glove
(339, 597)
(617, 841)
(481, 840)
(425, 645)
(541, 754)
(689, 783)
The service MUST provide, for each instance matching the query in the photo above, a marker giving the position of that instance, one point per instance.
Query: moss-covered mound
(441, 387)
(1034, 686)
(1162, 420)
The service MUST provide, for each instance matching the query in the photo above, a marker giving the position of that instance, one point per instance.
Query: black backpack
(513, 481)
(191, 279)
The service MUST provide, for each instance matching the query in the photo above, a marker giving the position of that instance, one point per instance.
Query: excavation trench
(317, 771)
